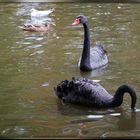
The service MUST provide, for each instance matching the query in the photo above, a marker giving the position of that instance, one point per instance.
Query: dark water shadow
(127, 121)
(77, 110)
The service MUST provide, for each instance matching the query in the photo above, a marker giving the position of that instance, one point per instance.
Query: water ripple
(45, 84)
(95, 116)
(34, 46)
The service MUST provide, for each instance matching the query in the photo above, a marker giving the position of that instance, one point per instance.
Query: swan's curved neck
(86, 36)
(118, 97)
(85, 60)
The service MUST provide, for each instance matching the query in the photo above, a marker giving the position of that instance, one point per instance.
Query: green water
(31, 64)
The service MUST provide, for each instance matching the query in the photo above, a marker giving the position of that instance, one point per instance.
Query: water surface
(33, 63)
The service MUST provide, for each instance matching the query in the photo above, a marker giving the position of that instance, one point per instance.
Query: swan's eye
(76, 21)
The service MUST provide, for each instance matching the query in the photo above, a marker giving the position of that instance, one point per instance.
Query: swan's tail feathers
(102, 48)
(61, 89)
(74, 87)
(64, 87)
(77, 91)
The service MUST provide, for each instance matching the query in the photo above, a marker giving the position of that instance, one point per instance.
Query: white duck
(36, 13)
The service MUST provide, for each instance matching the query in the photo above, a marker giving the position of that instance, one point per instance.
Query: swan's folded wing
(98, 57)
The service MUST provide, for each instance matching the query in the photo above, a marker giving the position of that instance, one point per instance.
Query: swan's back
(98, 56)
(37, 13)
(83, 91)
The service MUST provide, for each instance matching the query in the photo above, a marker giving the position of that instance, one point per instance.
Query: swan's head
(80, 19)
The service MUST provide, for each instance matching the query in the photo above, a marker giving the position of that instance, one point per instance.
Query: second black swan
(84, 91)
(92, 58)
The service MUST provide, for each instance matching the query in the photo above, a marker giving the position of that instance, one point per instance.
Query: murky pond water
(31, 64)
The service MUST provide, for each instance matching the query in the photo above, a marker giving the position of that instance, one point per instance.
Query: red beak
(76, 21)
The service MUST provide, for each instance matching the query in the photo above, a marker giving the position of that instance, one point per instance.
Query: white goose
(36, 13)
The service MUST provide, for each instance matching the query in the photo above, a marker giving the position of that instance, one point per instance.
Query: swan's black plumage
(84, 91)
(92, 58)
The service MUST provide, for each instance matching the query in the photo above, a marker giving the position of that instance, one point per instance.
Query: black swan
(92, 58)
(84, 91)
